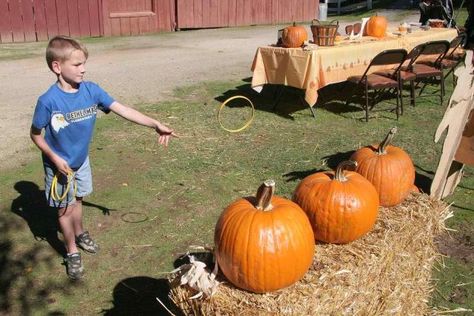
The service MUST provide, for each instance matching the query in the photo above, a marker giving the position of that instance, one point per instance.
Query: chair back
(435, 49)
(455, 44)
(356, 27)
(388, 57)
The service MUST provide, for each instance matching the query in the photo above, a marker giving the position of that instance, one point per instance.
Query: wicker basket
(436, 23)
(324, 33)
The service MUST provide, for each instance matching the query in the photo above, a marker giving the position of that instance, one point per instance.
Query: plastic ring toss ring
(246, 124)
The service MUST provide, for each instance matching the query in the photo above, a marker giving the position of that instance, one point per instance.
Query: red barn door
(132, 17)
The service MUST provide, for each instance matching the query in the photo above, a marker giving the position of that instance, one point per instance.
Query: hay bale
(386, 272)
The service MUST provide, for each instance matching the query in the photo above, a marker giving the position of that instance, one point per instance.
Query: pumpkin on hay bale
(385, 272)
(341, 205)
(265, 243)
(389, 168)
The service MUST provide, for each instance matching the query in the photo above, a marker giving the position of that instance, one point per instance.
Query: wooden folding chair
(423, 63)
(356, 27)
(379, 83)
(428, 66)
(454, 56)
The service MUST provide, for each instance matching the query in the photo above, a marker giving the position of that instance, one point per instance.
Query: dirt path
(133, 70)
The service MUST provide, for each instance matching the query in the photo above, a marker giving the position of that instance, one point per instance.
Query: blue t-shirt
(69, 119)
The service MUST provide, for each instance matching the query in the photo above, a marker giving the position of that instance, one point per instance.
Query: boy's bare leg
(77, 217)
(67, 225)
(82, 238)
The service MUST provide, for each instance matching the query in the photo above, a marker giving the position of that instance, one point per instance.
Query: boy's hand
(61, 165)
(165, 134)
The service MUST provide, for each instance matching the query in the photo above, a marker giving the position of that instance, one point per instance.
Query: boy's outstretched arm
(39, 141)
(139, 118)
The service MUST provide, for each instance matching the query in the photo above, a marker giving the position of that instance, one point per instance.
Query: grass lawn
(150, 204)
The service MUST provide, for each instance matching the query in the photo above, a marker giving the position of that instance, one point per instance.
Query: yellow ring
(54, 190)
(246, 124)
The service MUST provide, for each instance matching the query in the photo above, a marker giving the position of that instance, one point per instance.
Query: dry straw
(387, 272)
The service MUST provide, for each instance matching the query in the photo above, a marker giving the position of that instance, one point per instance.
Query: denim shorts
(81, 185)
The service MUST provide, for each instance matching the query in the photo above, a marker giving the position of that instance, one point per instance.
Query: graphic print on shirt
(58, 120)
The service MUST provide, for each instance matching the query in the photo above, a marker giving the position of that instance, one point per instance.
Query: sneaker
(74, 268)
(85, 242)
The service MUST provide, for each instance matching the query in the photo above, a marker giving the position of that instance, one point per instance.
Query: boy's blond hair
(60, 49)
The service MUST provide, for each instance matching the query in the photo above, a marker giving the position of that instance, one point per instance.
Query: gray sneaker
(74, 268)
(85, 242)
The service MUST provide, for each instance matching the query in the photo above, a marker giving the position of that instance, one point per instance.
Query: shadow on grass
(41, 219)
(423, 179)
(20, 289)
(138, 296)
(331, 161)
(462, 207)
(423, 182)
(290, 101)
(333, 98)
(284, 101)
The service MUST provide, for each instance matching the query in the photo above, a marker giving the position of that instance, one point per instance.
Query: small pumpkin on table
(294, 36)
(376, 26)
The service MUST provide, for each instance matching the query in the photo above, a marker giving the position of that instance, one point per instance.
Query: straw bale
(387, 272)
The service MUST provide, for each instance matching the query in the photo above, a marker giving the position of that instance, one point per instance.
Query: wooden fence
(39, 20)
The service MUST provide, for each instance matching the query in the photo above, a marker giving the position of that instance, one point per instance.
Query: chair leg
(366, 105)
(422, 88)
(412, 92)
(442, 89)
(399, 108)
(400, 95)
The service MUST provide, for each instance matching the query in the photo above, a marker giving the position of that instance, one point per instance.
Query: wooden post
(458, 147)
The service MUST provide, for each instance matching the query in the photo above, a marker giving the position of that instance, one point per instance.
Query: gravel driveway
(133, 70)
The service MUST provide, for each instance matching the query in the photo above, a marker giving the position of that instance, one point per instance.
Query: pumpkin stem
(264, 195)
(339, 176)
(388, 139)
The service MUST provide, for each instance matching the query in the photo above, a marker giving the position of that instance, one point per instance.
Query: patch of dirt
(458, 245)
(134, 70)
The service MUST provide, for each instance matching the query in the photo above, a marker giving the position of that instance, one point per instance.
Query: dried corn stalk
(195, 275)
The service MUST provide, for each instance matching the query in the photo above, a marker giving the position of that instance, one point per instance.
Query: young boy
(67, 113)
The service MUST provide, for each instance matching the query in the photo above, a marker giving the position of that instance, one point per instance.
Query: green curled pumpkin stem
(388, 139)
(339, 175)
(264, 195)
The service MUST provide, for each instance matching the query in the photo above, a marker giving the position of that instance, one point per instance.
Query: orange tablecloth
(317, 67)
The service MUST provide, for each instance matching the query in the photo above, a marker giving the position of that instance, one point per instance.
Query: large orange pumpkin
(377, 26)
(389, 168)
(294, 36)
(265, 243)
(342, 206)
